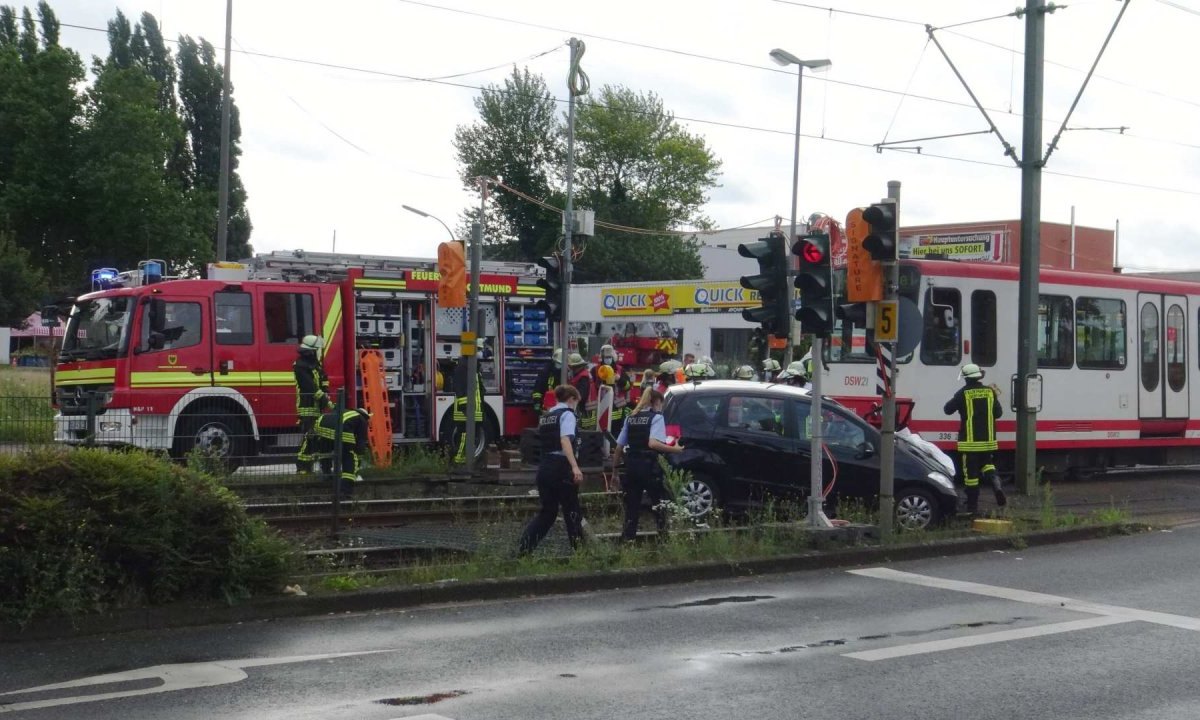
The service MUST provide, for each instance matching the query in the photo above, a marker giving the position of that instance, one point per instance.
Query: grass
(26, 415)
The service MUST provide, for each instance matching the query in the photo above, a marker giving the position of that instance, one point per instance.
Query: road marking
(983, 639)
(182, 676)
(1106, 614)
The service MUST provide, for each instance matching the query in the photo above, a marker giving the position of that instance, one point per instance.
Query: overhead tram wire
(717, 123)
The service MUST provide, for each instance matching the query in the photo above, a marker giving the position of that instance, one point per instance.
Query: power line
(885, 18)
(718, 123)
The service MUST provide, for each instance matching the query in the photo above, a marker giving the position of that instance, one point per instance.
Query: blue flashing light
(152, 271)
(105, 278)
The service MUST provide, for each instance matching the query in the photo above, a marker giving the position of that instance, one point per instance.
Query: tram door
(1162, 356)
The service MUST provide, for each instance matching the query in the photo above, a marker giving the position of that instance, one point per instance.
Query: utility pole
(471, 344)
(574, 88)
(223, 181)
(1031, 220)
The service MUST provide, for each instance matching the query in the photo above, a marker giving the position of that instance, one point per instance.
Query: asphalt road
(1101, 629)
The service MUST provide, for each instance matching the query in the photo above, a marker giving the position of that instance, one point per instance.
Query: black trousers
(643, 476)
(555, 490)
(304, 456)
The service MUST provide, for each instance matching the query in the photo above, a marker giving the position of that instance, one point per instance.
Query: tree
(200, 89)
(635, 166)
(518, 139)
(21, 284)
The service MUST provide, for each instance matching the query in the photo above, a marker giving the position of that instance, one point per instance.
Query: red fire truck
(174, 364)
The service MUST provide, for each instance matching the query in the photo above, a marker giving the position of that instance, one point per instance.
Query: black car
(747, 442)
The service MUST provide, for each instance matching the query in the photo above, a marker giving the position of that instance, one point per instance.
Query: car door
(760, 458)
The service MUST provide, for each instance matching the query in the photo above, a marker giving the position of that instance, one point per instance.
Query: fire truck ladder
(375, 400)
(305, 266)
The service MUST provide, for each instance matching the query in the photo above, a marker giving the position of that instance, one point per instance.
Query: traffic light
(883, 240)
(815, 280)
(775, 313)
(852, 314)
(553, 285)
(452, 271)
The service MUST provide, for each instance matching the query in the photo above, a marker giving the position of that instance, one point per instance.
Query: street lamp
(422, 213)
(816, 517)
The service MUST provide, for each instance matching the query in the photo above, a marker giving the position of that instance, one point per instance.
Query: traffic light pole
(473, 309)
(816, 514)
(887, 441)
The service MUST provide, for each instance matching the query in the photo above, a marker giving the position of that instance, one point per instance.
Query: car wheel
(700, 496)
(916, 509)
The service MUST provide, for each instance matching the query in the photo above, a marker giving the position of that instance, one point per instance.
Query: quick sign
(666, 299)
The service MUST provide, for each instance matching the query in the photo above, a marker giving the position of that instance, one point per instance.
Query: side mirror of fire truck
(158, 314)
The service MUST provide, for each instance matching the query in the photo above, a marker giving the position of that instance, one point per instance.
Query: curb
(177, 616)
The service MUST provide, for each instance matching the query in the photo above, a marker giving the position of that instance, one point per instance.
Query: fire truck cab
(174, 364)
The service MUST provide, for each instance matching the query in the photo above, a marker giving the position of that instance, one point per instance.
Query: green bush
(84, 530)
(25, 411)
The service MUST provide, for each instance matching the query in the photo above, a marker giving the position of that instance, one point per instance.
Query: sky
(330, 150)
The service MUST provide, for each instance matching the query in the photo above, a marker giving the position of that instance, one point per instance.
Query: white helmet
(971, 371)
(557, 357)
(311, 343)
(794, 369)
(771, 365)
(669, 366)
(705, 360)
(608, 351)
(693, 371)
(745, 372)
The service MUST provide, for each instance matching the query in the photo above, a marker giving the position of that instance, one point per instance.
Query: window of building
(1055, 332)
(731, 346)
(289, 316)
(235, 323)
(1100, 333)
(941, 338)
(181, 327)
(983, 328)
(1176, 348)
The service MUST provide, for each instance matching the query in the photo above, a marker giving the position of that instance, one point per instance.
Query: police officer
(770, 369)
(558, 474)
(978, 406)
(312, 396)
(460, 408)
(642, 439)
(354, 446)
(543, 389)
(745, 372)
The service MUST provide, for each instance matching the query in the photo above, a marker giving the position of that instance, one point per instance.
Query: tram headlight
(941, 479)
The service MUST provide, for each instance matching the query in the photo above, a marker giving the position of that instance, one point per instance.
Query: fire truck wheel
(217, 435)
(485, 434)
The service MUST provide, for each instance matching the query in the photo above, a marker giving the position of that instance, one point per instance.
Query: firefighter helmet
(557, 357)
(576, 360)
(311, 343)
(771, 365)
(745, 372)
(971, 371)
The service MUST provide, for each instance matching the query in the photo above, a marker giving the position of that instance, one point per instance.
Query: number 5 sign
(887, 323)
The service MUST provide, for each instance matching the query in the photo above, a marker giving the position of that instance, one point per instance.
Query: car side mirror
(865, 450)
(158, 315)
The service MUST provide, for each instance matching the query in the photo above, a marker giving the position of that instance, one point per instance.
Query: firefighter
(543, 389)
(558, 473)
(745, 372)
(581, 380)
(354, 446)
(620, 382)
(312, 396)
(770, 369)
(978, 406)
(460, 409)
(795, 374)
(669, 373)
(642, 439)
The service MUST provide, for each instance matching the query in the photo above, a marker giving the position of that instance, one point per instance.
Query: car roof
(721, 387)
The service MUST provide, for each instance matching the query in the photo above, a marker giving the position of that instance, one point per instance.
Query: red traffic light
(812, 253)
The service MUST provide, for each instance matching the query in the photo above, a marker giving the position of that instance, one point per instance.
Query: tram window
(983, 328)
(940, 340)
(1055, 332)
(1176, 348)
(1150, 354)
(1100, 333)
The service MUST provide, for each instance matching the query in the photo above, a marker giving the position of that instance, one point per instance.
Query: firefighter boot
(1001, 500)
(973, 501)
